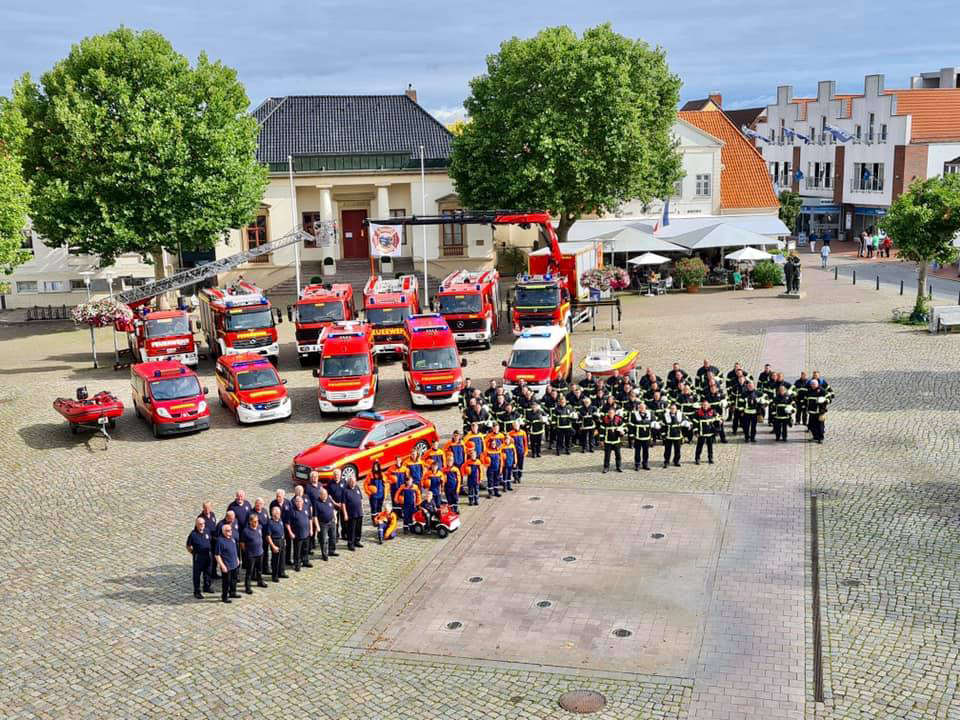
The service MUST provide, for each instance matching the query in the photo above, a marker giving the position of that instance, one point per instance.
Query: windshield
(530, 359)
(450, 304)
(435, 359)
(253, 379)
(252, 320)
(175, 388)
(164, 327)
(346, 437)
(345, 366)
(319, 312)
(536, 297)
(388, 316)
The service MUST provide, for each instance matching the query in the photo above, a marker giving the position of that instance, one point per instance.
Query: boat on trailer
(607, 358)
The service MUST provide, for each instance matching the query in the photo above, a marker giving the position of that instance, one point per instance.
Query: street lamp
(116, 353)
(87, 275)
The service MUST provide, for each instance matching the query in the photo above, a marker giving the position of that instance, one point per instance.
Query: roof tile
(935, 113)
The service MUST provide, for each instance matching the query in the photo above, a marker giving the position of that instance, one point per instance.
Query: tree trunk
(566, 222)
(919, 307)
(159, 273)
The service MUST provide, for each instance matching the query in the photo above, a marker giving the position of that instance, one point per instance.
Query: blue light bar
(250, 363)
(366, 415)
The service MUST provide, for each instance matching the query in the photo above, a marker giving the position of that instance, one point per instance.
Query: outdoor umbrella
(648, 259)
(748, 253)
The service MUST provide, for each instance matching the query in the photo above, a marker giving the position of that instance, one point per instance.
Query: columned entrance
(355, 244)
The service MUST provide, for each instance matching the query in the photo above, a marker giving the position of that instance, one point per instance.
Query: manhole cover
(534, 497)
(475, 579)
(569, 558)
(536, 521)
(850, 582)
(657, 536)
(622, 632)
(648, 507)
(544, 604)
(454, 625)
(582, 701)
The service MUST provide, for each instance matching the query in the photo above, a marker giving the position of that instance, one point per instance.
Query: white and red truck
(154, 335)
(470, 303)
(239, 319)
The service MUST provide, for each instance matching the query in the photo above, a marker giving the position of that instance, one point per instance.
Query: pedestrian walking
(824, 255)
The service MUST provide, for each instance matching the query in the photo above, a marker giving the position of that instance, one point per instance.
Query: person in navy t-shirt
(251, 542)
(198, 545)
(228, 561)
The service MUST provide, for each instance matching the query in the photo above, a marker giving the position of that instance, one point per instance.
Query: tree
(572, 125)
(133, 150)
(14, 189)
(790, 204)
(923, 223)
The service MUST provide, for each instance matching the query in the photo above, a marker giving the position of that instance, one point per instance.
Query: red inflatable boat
(88, 411)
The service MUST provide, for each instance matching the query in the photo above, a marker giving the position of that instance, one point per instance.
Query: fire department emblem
(384, 240)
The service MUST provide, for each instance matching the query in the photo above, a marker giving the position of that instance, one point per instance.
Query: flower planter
(767, 285)
(693, 288)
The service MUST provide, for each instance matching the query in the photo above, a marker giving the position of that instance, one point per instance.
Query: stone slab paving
(752, 661)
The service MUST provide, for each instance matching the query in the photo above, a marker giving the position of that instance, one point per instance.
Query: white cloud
(448, 114)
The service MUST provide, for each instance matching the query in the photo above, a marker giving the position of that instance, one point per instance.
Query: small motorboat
(607, 358)
(93, 413)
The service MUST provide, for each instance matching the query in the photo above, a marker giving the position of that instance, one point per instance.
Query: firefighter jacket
(817, 401)
(588, 418)
(706, 423)
(716, 400)
(564, 415)
(535, 421)
(474, 441)
(612, 430)
(640, 423)
(783, 407)
(520, 442)
(458, 450)
(687, 403)
(748, 402)
(673, 426)
(589, 388)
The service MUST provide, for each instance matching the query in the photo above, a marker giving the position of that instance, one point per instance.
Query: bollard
(836, 268)
(901, 287)
(878, 282)
(854, 277)
(930, 291)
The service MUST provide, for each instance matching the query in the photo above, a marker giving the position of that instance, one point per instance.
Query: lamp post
(86, 275)
(116, 352)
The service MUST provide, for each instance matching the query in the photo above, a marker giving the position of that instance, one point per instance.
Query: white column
(326, 214)
(383, 201)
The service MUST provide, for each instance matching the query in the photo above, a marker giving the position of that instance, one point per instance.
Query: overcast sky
(743, 49)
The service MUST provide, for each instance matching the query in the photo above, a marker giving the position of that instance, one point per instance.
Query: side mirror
(147, 400)
(369, 445)
(279, 316)
(463, 362)
(206, 390)
(283, 382)
(316, 372)
(503, 362)
(290, 313)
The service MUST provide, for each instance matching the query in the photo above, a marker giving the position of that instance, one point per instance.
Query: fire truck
(470, 303)
(432, 364)
(347, 376)
(154, 335)
(319, 307)
(386, 305)
(239, 319)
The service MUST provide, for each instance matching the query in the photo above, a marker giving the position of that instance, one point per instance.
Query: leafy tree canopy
(790, 205)
(14, 190)
(572, 125)
(133, 150)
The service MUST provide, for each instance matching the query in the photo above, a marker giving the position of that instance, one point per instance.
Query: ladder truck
(239, 319)
(470, 303)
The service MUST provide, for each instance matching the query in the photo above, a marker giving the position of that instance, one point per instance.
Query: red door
(355, 243)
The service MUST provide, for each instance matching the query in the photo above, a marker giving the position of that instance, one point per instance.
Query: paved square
(598, 564)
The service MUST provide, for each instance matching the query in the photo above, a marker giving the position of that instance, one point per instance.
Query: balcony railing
(813, 183)
(874, 185)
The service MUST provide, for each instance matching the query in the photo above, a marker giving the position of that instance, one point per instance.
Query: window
(255, 234)
(27, 242)
(820, 175)
(813, 134)
(952, 167)
(787, 175)
(452, 236)
(882, 137)
(871, 119)
(703, 186)
(867, 177)
(56, 286)
(782, 133)
(858, 132)
(26, 286)
(77, 285)
(775, 172)
(773, 135)
(402, 212)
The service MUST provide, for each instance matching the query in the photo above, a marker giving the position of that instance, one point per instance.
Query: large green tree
(790, 205)
(133, 150)
(572, 125)
(923, 223)
(14, 190)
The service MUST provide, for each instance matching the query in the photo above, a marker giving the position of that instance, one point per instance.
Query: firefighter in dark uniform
(763, 384)
(574, 398)
(641, 422)
(687, 403)
(507, 416)
(781, 410)
(713, 395)
(589, 386)
(549, 404)
(199, 545)
(587, 420)
(701, 380)
(274, 535)
(564, 425)
(536, 427)
(673, 424)
(800, 395)
(736, 388)
(611, 428)
(648, 380)
(817, 400)
(749, 408)
(658, 407)
(465, 395)
(706, 421)
(226, 553)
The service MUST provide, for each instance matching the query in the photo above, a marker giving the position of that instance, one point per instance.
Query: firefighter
(687, 404)
(782, 411)
(408, 500)
(564, 425)
(261, 511)
(325, 517)
(673, 425)
(749, 408)
(706, 422)
(536, 428)
(658, 408)
(817, 400)
(465, 394)
(456, 448)
(649, 380)
(800, 387)
(520, 442)
(433, 458)
(714, 395)
(433, 481)
(736, 388)
(589, 386)
(675, 378)
(490, 394)
(298, 533)
(641, 422)
(474, 414)
(198, 545)
(549, 405)
(415, 468)
(472, 471)
(281, 501)
(588, 425)
(451, 482)
(509, 453)
(702, 372)
(493, 456)
(611, 428)
(507, 416)
(251, 543)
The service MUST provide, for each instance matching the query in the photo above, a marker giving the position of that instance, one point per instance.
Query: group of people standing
(870, 243)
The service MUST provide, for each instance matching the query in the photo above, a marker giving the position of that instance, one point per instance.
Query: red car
(369, 436)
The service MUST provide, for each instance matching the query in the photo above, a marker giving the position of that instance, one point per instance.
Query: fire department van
(539, 356)
(249, 387)
(238, 319)
(386, 305)
(347, 376)
(470, 303)
(319, 306)
(161, 335)
(432, 363)
(168, 395)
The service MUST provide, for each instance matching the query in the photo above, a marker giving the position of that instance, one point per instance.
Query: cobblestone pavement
(101, 622)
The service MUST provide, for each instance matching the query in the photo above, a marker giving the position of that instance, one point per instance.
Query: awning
(721, 236)
(648, 259)
(634, 239)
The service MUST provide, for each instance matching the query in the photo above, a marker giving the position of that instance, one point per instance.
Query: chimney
(411, 93)
(717, 98)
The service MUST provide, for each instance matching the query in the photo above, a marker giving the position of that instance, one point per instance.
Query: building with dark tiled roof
(740, 117)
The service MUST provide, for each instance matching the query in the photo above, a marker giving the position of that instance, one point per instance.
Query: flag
(798, 174)
(789, 133)
(803, 137)
(665, 218)
(752, 134)
(838, 133)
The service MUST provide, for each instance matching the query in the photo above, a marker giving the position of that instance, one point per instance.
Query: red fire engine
(470, 303)
(347, 376)
(432, 364)
(238, 319)
(319, 307)
(154, 335)
(386, 304)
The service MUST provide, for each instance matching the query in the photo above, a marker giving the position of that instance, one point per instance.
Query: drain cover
(850, 582)
(454, 625)
(536, 521)
(582, 701)
(475, 579)
(622, 632)
(544, 604)
(648, 507)
(534, 497)
(569, 558)
(657, 536)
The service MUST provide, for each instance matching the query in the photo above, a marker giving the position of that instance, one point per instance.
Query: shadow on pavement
(160, 585)
(35, 369)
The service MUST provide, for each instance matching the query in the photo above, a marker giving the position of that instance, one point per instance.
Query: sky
(742, 49)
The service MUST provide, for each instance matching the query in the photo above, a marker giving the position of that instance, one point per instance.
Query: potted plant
(101, 313)
(767, 273)
(691, 272)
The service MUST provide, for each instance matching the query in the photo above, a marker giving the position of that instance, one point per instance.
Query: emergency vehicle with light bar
(239, 319)
(249, 387)
(386, 305)
(319, 306)
(470, 303)
(168, 395)
(432, 365)
(161, 335)
(347, 376)
(539, 356)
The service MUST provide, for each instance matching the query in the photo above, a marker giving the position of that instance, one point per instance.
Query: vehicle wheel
(442, 531)
(487, 344)
(73, 428)
(111, 423)
(275, 360)
(156, 430)
(417, 529)
(421, 447)
(349, 471)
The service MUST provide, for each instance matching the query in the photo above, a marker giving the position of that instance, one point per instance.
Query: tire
(111, 423)
(73, 428)
(421, 446)
(347, 471)
(417, 529)
(156, 430)
(442, 531)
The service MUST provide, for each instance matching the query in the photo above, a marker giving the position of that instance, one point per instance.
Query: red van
(347, 376)
(169, 396)
(432, 363)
